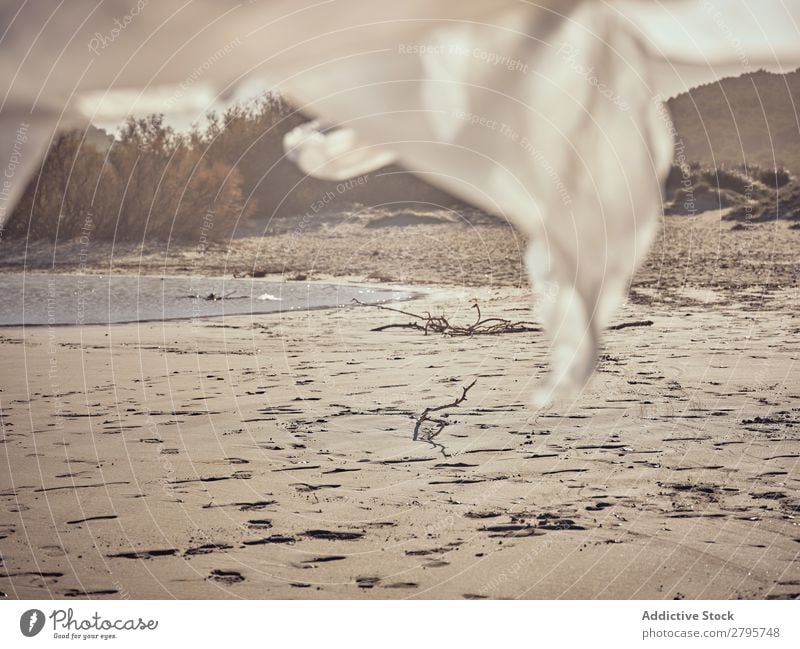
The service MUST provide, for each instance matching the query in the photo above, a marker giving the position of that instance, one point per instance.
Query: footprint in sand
(367, 582)
(256, 506)
(207, 548)
(73, 592)
(329, 535)
(145, 554)
(335, 557)
(89, 519)
(52, 551)
(34, 578)
(227, 577)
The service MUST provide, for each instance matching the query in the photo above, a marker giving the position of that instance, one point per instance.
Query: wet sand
(273, 457)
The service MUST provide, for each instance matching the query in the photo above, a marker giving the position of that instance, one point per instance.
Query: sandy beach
(273, 457)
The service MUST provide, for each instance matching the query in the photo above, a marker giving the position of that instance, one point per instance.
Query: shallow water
(32, 299)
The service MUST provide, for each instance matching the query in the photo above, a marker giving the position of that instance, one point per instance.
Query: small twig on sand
(636, 323)
(215, 297)
(440, 423)
(440, 324)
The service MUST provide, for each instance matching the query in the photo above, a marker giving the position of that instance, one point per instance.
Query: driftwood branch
(440, 423)
(440, 324)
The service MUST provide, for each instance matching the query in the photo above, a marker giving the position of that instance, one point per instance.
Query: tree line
(151, 182)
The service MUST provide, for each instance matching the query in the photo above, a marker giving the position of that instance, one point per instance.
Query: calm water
(32, 299)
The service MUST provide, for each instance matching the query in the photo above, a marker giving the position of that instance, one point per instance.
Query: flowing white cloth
(543, 113)
(543, 118)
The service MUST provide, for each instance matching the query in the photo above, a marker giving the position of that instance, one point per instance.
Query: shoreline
(703, 251)
(404, 294)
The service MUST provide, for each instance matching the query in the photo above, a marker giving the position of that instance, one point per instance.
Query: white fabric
(543, 113)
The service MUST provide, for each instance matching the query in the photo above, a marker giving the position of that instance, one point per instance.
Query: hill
(750, 119)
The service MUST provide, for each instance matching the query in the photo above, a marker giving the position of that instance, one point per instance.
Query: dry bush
(73, 185)
(150, 183)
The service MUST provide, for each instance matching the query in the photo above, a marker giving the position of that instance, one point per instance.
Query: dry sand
(273, 457)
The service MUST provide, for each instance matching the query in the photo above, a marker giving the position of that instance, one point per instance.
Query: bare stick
(425, 416)
(407, 325)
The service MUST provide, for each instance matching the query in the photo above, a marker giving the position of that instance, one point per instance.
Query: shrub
(782, 204)
(728, 179)
(73, 184)
(779, 177)
(151, 183)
